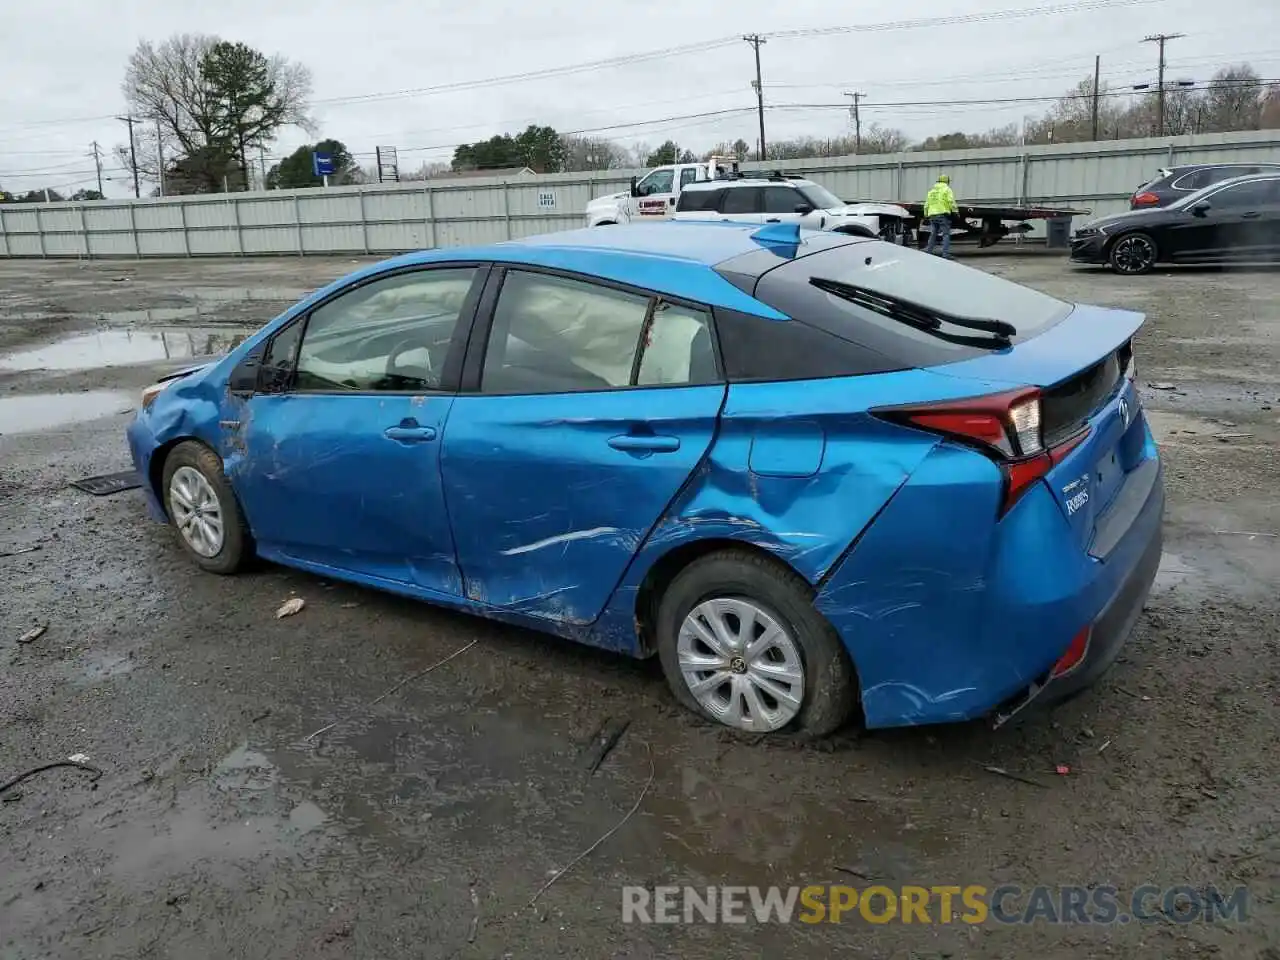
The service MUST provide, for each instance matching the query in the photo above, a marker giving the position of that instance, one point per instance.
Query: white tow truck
(654, 196)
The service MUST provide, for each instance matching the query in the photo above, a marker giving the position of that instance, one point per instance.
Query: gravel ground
(423, 825)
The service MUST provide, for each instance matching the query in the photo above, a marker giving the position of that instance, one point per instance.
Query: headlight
(1086, 232)
(150, 393)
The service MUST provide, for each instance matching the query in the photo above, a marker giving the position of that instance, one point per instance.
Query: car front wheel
(202, 508)
(1132, 254)
(741, 643)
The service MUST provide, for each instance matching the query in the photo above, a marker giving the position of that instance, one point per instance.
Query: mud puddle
(41, 411)
(116, 348)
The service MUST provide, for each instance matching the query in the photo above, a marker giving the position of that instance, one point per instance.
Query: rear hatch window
(904, 274)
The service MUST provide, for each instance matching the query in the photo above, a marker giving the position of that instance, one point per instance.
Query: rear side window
(699, 200)
(687, 176)
(909, 275)
(758, 348)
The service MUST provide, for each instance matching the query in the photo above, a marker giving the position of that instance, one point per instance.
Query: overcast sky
(60, 71)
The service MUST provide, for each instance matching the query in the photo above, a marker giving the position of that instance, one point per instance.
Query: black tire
(1133, 254)
(829, 679)
(237, 545)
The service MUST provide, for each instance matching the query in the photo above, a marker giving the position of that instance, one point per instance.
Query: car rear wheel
(1133, 253)
(202, 507)
(741, 643)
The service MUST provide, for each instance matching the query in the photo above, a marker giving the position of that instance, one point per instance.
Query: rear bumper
(1111, 628)
(949, 615)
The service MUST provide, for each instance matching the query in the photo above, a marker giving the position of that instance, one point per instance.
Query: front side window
(391, 334)
(659, 181)
(781, 199)
(556, 334)
(1244, 196)
(278, 362)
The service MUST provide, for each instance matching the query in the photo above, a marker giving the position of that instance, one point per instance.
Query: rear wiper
(929, 319)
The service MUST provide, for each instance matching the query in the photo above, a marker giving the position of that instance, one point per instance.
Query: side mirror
(1201, 208)
(635, 191)
(803, 208)
(244, 378)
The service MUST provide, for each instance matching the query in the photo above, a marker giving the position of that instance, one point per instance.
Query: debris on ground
(290, 607)
(409, 679)
(79, 758)
(653, 770)
(1228, 437)
(8, 784)
(1021, 778)
(1163, 386)
(35, 633)
(605, 739)
(1104, 746)
(20, 551)
(1062, 769)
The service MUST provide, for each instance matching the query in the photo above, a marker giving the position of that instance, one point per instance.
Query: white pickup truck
(717, 190)
(654, 196)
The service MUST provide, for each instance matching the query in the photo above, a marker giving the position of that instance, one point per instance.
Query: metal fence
(392, 218)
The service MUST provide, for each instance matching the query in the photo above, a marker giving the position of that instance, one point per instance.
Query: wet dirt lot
(423, 824)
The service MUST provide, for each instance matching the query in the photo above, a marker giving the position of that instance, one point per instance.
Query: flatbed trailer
(988, 224)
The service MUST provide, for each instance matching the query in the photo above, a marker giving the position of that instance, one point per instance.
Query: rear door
(590, 405)
(742, 205)
(1234, 226)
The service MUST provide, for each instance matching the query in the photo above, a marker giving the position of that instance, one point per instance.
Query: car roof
(1226, 163)
(748, 182)
(674, 257)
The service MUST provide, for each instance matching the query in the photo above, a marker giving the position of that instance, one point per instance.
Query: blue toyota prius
(812, 473)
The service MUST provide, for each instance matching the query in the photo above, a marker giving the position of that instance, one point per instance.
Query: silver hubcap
(1133, 253)
(741, 665)
(196, 511)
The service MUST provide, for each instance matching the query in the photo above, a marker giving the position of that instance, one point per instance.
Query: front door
(594, 406)
(1234, 227)
(655, 197)
(341, 441)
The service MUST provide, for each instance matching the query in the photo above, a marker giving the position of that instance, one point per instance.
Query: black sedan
(1234, 221)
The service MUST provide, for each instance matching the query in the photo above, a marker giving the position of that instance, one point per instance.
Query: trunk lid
(1082, 366)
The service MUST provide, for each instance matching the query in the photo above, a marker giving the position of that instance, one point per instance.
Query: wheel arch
(667, 567)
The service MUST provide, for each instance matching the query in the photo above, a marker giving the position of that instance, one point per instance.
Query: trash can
(1058, 233)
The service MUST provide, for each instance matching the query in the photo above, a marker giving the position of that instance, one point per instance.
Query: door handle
(1251, 215)
(644, 443)
(410, 433)
(774, 220)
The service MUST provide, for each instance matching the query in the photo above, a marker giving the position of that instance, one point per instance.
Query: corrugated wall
(445, 213)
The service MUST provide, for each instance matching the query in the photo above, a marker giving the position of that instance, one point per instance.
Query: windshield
(820, 197)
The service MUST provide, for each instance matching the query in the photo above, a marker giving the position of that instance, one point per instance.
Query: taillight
(1145, 199)
(1074, 654)
(1004, 426)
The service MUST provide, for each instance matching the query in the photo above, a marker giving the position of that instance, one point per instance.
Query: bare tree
(206, 102)
(1233, 100)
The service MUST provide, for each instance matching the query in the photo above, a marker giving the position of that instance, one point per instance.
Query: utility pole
(97, 162)
(1161, 39)
(133, 154)
(857, 120)
(755, 40)
(160, 156)
(262, 162)
(1097, 71)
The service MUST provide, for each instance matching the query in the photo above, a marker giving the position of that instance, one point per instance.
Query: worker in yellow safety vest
(939, 205)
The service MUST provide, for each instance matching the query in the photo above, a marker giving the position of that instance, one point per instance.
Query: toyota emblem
(1124, 412)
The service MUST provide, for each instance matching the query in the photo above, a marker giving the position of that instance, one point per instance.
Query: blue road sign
(322, 164)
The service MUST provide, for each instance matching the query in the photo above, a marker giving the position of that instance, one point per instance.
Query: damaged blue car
(813, 473)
